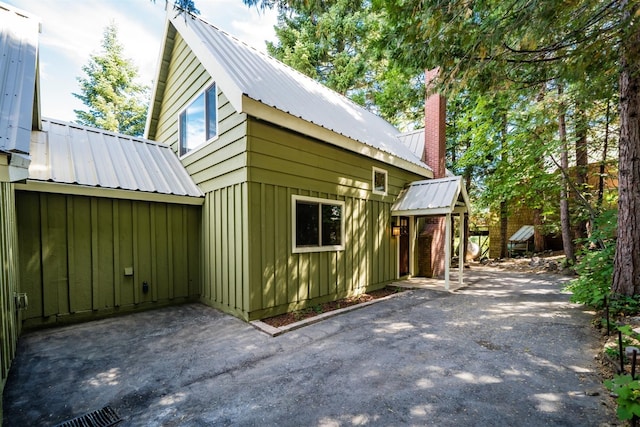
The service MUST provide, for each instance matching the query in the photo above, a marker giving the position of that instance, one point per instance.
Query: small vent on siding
(101, 418)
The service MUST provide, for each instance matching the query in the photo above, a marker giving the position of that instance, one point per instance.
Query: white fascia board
(272, 115)
(154, 91)
(110, 193)
(19, 167)
(465, 196)
(460, 190)
(223, 79)
(14, 167)
(422, 212)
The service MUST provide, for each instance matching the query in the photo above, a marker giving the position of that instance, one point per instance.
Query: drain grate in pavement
(101, 418)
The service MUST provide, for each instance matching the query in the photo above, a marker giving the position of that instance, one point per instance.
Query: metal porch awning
(437, 197)
(432, 197)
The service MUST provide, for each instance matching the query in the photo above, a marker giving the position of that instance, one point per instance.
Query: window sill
(198, 148)
(318, 249)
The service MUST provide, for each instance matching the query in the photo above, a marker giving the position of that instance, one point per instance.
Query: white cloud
(72, 30)
(250, 25)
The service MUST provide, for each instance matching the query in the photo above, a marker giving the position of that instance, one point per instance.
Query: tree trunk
(504, 250)
(582, 165)
(467, 184)
(603, 163)
(503, 230)
(538, 237)
(626, 264)
(565, 223)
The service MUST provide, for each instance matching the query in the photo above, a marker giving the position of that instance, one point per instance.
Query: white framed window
(379, 181)
(317, 224)
(199, 121)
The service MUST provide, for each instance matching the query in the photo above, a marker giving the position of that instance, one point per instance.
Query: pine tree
(494, 46)
(115, 101)
(332, 43)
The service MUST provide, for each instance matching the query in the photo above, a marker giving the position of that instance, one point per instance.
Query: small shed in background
(521, 240)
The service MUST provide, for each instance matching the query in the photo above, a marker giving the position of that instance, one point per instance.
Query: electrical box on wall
(22, 302)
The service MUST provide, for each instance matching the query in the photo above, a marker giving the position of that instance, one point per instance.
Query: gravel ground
(507, 350)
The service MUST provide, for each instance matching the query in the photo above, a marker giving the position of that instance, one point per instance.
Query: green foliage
(496, 45)
(628, 391)
(333, 43)
(624, 305)
(628, 338)
(501, 64)
(186, 5)
(595, 267)
(115, 102)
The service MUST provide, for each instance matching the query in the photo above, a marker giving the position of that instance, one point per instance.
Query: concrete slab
(509, 349)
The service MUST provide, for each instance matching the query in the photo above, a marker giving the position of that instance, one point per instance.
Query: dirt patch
(547, 262)
(296, 316)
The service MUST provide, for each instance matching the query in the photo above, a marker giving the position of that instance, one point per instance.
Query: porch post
(447, 250)
(461, 246)
(412, 245)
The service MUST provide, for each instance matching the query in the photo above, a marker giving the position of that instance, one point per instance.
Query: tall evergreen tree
(495, 46)
(115, 101)
(332, 42)
(183, 5)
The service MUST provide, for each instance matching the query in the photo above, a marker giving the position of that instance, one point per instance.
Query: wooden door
(403, 268)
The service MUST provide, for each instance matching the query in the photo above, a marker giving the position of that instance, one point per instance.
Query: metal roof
(414, 141)
(18, 73)
(432, 197)
(242, 71)
(523, 234)
(67, 153)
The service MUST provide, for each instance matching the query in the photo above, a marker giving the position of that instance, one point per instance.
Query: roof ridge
(410, 132)
(277, 61)
(104, 131)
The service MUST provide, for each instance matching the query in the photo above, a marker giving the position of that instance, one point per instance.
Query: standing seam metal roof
(270, 82)
(430, 197)
(72, 154)
(523, 234)
(414, 141)
(19, 53)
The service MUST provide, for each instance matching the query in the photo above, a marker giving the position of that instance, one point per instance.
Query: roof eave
(422, 212)
(157, 93)
(224, 80)
(454, 205)
(244, 104)
(113, 193)
(270, 114)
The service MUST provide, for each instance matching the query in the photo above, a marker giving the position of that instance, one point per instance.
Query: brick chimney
(434, 127)
(434, 156)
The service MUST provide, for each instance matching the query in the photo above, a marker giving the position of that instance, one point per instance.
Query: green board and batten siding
(74, 251)
(220, 170)
(283, 164)
(10, 317)
(249, 174)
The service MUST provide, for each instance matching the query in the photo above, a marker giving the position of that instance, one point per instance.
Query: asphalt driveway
(507, 350)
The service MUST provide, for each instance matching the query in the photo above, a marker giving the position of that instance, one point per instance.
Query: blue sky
(72, 30)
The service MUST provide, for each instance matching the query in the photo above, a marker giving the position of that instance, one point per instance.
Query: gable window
(198, 122)
(318, 224)
(379, 181)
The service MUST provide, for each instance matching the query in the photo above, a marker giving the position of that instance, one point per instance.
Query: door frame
(411, 247)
